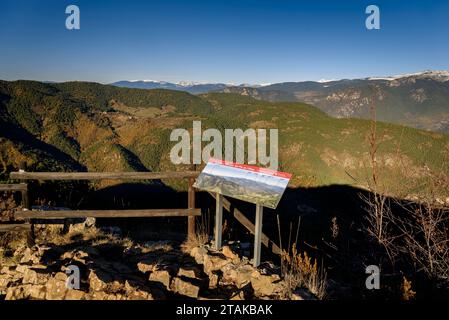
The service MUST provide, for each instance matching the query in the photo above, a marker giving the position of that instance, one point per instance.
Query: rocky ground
(119, 269)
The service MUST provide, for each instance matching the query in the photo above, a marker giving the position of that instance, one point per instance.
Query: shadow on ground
(332, 228)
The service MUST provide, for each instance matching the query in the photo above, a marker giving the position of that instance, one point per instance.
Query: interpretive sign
(261, 186)
(253, 184)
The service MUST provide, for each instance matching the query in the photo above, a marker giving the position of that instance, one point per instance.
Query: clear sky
(244, 41)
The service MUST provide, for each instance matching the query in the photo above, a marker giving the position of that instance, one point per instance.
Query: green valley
(89, 126)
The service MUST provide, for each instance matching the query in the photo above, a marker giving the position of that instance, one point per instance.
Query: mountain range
(187, 86)
(78, 126)
(420, 100)
(190, 87)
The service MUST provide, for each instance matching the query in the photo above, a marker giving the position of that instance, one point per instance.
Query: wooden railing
(23, 175)
(190, 212)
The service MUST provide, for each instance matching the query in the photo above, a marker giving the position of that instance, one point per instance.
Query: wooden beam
(102, 175)
(257, 236)
(240, 217)
(15, 227)
(13, 187)
(218, 220)
(27, 214)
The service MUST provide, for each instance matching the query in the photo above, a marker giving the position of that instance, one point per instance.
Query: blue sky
(245, 41)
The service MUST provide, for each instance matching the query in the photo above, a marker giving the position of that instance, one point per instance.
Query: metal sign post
(258, 235)
(218, 220)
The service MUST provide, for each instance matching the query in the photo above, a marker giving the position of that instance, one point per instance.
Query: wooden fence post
(26, 202)
(191, 205)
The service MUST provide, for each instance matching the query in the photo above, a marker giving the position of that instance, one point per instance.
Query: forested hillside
(89, 126)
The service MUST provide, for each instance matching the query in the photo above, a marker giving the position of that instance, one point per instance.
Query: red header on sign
(252, 168)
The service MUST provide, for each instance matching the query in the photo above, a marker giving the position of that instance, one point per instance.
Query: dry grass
(407, 292)
(200, 238)
(7, 206)
(157, 246)
(300, 270)
(108, 238)
(10, 242)
(55, 234)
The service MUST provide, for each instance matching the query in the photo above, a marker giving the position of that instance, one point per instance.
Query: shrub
(300, 270)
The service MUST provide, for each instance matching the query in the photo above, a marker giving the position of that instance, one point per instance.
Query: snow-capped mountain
(442, 76)
(192, 87)
(418, 99)
(201, 87)
(189, 86)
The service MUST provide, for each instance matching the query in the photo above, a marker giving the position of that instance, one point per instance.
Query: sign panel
(249, 183)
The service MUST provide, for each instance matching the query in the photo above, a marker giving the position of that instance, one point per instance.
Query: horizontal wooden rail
(248, 224)
(14, 187)
(28, 214)
(102, 175)
(15, 227)
(53, 216)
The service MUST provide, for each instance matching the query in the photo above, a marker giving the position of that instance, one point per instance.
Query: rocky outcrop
(138, 272)
(226, 268)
